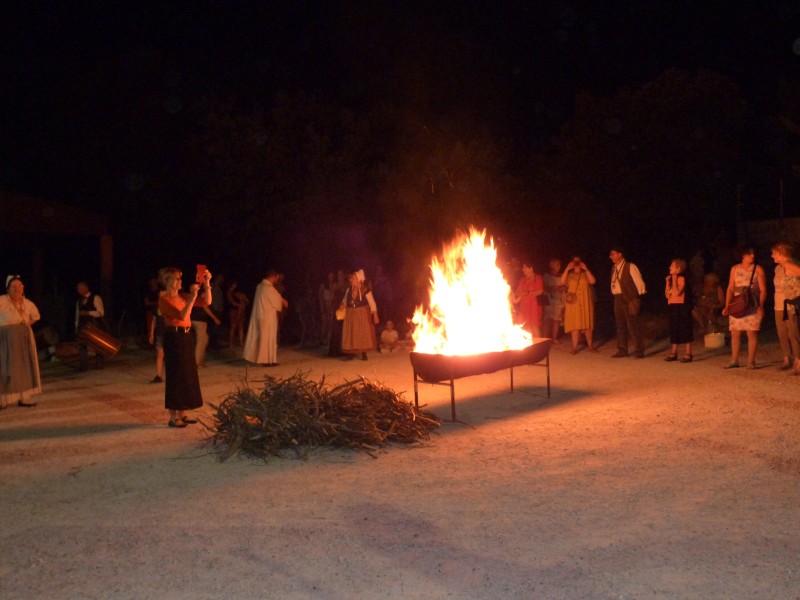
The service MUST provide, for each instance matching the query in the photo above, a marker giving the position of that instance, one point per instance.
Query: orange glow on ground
(469, 310)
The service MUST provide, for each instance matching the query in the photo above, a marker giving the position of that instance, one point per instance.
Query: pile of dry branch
(300, 414)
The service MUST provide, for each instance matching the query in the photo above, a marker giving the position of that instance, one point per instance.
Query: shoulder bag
(572, 297)
(743, 303)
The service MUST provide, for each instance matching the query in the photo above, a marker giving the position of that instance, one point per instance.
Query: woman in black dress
(182, 389)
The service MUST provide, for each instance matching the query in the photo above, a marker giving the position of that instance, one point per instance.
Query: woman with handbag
(744, 305)
(579, 307)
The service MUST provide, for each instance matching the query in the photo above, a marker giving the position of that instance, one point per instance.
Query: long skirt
(182, 386)
(19, 364)
(680, 324)
(358, 330)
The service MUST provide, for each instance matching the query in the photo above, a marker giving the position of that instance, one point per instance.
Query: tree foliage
(661, 157)
(321, 185)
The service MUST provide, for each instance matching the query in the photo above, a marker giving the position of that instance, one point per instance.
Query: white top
(266, 298)
(10, 315)
(635, 275)
(98, 312)
(373, 307)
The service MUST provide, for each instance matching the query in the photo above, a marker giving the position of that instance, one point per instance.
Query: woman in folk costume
(261, 345)
(361, 316)
(19, 363)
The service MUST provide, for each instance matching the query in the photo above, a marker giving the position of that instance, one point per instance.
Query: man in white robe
(261, 345)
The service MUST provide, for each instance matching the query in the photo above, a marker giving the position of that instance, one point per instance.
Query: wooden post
(107, 274)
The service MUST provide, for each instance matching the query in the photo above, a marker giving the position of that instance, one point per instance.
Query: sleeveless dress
(555, 307)
(579, 315)
(741, 279)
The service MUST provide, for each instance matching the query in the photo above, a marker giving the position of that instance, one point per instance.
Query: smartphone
(201, 271)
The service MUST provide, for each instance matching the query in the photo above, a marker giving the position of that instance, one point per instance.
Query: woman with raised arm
(182, 389)
(579, 298)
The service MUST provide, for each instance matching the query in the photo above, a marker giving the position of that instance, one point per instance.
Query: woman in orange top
(182, 389)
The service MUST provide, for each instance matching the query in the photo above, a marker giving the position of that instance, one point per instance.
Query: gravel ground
(635, 479)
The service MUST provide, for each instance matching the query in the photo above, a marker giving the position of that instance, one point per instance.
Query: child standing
(680, 311)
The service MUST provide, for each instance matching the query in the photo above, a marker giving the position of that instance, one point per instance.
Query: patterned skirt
(358, 330)
(19, 364)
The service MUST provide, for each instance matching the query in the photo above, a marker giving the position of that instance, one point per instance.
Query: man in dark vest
(627, 287)
(88, 310)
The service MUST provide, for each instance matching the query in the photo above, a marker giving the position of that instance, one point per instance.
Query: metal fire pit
(441, 369)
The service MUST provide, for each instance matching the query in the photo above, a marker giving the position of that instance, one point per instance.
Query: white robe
(261, 345)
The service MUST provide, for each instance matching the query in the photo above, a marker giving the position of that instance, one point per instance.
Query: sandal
(176, 423)
(188, 420)
(733, 365)
(671, 358)
(687, 358)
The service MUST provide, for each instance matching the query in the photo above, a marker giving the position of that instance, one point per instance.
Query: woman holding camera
(579, 308)
(182, 389)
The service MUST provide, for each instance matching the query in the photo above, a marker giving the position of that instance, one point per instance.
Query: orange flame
(470, 310)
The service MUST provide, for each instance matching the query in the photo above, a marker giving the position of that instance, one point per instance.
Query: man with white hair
(261, 345)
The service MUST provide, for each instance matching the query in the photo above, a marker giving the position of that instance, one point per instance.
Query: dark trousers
(83, 358)
(627, 324)
(83, 349)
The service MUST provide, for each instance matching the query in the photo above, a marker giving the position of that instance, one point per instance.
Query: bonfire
(469, 311)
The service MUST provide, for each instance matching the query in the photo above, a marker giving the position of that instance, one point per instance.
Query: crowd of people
(546, 303)
(182, 324)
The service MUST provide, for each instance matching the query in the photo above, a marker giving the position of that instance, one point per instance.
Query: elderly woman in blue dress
(19, 363)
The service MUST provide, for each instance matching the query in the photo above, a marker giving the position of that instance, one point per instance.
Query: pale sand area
(636, 479)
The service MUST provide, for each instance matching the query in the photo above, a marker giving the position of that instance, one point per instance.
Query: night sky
(101, 105)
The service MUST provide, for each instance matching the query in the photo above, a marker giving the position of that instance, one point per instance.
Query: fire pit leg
(453, 400)
(416, 390)
(547, 366)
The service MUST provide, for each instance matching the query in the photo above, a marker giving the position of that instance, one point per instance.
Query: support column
(107, 275)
